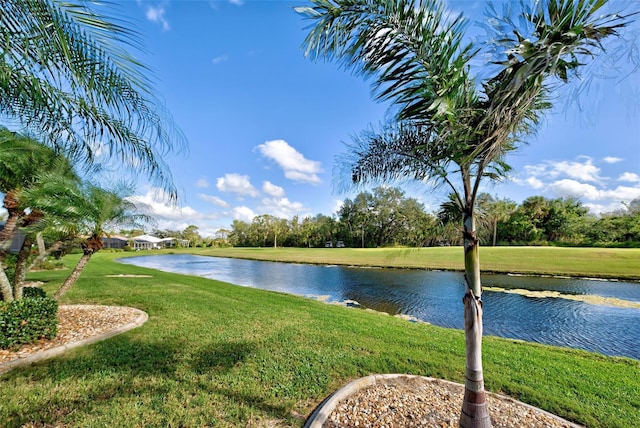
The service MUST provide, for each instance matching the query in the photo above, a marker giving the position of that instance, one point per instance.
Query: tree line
(387, 217)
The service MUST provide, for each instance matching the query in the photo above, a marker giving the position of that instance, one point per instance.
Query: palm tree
(66, 76)
(100, 211)
(23, 161)
(494, 210)
(451, 129)
(52, 201)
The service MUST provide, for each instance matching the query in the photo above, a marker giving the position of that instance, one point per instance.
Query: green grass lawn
(584, 262)
(215, 354)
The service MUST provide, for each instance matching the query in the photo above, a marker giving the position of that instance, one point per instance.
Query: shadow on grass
(220, 356)
(137, 374)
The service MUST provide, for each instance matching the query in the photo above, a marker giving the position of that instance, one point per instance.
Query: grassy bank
(222, 355)
(580, 262)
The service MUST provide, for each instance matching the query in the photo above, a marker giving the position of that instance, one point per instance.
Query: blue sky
(265, 124)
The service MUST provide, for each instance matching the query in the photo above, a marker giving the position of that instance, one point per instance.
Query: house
(115, 241)
(146, 242)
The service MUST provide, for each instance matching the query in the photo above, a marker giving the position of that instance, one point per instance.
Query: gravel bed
(76, 323)
(412, 401)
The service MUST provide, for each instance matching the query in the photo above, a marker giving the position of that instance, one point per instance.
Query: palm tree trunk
(73, 276)
(21, 268)
(475, 413)
(5, 286)
(495, 231)
(40, 241)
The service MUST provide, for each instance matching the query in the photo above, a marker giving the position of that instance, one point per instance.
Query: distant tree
(566, 219)
(240, 234)
(493, 210)
(191, 234)
(356, 215)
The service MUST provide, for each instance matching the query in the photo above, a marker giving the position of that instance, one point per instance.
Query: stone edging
(59, 350)
(321, 413)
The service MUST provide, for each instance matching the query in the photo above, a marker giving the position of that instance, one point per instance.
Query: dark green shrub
(33, 292)
(27, 320)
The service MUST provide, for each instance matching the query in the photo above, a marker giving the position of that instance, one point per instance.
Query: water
(436, 297)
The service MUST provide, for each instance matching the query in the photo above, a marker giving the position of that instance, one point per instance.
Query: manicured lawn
(215, 354)
(587, 262)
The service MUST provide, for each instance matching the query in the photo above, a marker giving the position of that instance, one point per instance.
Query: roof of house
(147, 238)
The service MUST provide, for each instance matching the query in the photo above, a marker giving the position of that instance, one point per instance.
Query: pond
(436, 297)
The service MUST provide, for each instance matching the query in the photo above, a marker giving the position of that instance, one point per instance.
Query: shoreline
(604, 278)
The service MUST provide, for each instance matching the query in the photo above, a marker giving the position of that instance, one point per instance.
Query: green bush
(33, 292)
(27, 320)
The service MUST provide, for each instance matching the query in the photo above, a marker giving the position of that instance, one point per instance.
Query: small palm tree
(65, 74)
(99, 210)
(451, 129)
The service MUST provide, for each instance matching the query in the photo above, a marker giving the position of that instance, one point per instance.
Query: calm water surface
(436, 297)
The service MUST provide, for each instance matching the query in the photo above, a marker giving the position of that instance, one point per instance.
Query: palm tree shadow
(220, 356)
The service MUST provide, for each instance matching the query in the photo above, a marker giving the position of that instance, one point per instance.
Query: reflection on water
(436, 297)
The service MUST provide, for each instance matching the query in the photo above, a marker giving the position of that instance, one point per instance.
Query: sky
(264, 123)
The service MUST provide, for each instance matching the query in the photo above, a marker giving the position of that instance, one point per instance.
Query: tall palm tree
(66, 75)
(100, 210)
(451, 129)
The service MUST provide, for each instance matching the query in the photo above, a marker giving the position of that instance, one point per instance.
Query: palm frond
(413, 51)
(65, 74)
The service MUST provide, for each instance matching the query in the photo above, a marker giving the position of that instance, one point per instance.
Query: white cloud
(282, 207)
(295, 166)
(155, 203)
(273, 190)
(604, 208)
(202, 183)
(536, 170)
(243, 214)
(534, 183)
(214, 199)
(157, 15)
(219, 59)
(237, 2)
(622, 193)
(630, 177)
(236, 183)
(611, 159)
(573, 188)
(581, 179)
(566, 188)
(581, 171)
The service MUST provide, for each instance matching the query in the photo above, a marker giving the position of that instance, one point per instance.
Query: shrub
(33, 292)
(50, 264)
(27, 320)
